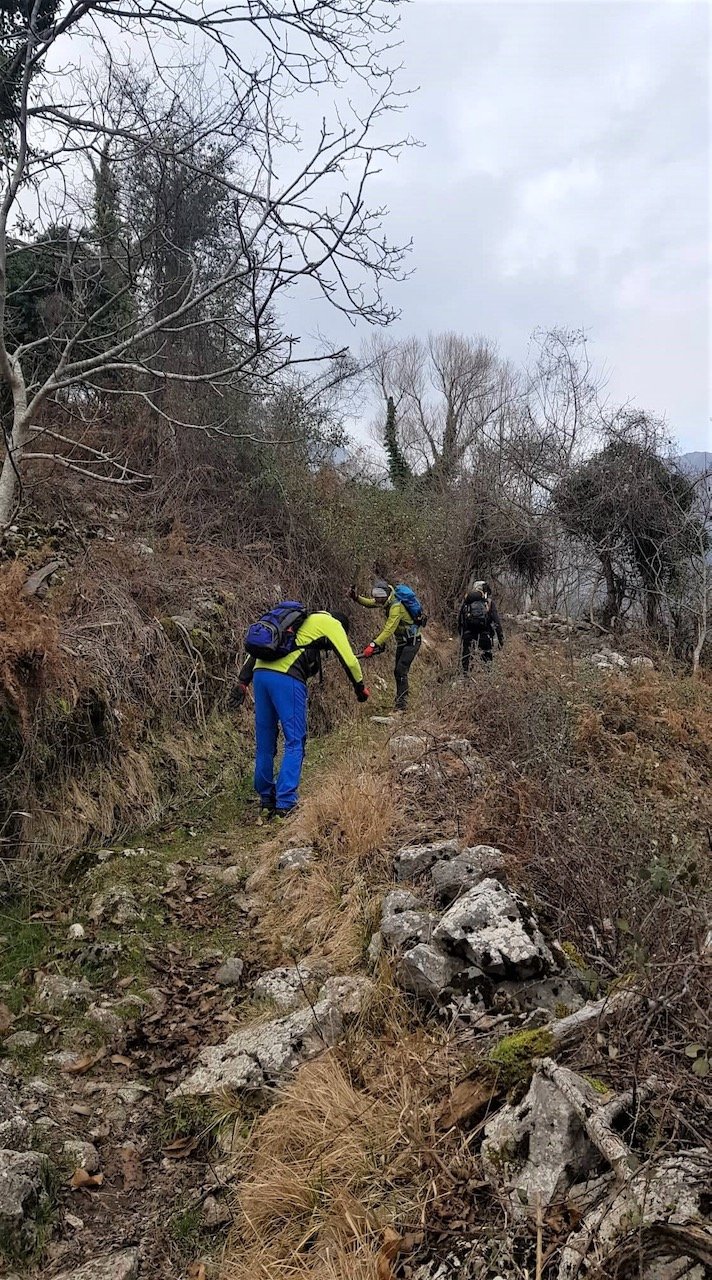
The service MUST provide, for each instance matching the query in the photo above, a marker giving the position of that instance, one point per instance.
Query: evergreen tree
(399, 471)
(108, 298)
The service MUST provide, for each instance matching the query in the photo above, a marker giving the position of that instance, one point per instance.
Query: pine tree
(398, 470)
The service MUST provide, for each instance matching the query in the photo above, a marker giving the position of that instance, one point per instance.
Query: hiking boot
(281, 815)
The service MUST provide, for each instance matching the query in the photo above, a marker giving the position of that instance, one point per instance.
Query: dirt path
(108, 996)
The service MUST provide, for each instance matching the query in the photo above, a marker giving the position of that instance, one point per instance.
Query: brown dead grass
(350, 816)
(341, 1165)
(329, 911)
(29, 648)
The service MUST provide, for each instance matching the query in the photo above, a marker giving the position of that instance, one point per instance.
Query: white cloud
(564, 180)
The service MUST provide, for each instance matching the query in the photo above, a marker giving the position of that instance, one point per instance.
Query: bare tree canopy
(243, 206)
(446, 393)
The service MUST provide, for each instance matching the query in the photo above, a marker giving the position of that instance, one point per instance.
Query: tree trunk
(8, 486)
(612, 605)
(701, 626)
(14, 448)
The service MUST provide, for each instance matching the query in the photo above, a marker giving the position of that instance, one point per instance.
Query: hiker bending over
(478, 622)
(404, 620)
(285, 648)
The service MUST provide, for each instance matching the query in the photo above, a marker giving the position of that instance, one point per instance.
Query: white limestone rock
(454, 876)
(260, 1056)
(426, 971)
(493, 928)
(285, 986)
(534, 1151)
(296, 859)
(110, 1266)
(413, 861)
(404, 929)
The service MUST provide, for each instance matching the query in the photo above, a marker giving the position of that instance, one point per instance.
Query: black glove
(362, 693)
(236, 696)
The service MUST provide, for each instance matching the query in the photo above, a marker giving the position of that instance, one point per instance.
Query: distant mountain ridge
(697, 461)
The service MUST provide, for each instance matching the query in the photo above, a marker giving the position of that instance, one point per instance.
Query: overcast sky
(564, 180)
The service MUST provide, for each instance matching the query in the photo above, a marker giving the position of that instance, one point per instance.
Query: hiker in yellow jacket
(280, 690)
(400, 624)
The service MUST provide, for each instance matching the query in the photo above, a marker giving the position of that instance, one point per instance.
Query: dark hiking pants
(472, 640)
(405, 653)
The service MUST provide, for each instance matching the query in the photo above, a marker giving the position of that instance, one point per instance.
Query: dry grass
(341, 1165)
(350, 816)
(599, 794)
(329, 911)
(29, 649)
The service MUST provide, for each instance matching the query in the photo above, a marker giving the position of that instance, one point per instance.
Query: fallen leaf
(181, 1148)
(85, 1063)
(392, 1243)
(390, 1248)
(469, 1099)
(119, 1060)
(80, 1179)
(126, 982)
(197, 1271)
(6, 1018)
(80, 1109)
(132, 1170)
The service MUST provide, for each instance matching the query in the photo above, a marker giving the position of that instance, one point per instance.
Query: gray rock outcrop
(14, 1125)
(260, 1056)
(412, 862)
(22, 1190)
(230, 972)
(452, 877)
(426, 971)
(56, 991)
(110, 1266)
(399, 900)
(285, 986)
(117, 905)
(297, 858)
(406, 928)
(493, 928)
(534, 1151)
(661, 1200)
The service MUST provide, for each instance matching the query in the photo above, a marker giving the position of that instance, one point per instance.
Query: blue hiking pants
(280, 703)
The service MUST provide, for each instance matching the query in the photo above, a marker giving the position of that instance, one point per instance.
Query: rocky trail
(152, 1018)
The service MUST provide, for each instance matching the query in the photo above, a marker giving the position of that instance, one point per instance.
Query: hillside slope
(303, 1057)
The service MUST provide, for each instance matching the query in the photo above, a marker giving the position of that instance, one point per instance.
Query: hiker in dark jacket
(478, 622)
(280, 689)
(398, 623)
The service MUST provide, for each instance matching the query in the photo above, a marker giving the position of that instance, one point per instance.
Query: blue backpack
(274, 635)
(406, 596)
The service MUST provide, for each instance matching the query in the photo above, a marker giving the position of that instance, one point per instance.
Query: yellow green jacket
(319, 632)
(398, 621)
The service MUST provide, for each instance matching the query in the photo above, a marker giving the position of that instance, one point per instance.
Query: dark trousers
(405, 653)
(472, 640)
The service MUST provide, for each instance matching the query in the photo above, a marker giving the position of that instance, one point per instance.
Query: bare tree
(297, 208)
(556, 414)
(691, 610)
(446, 392)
